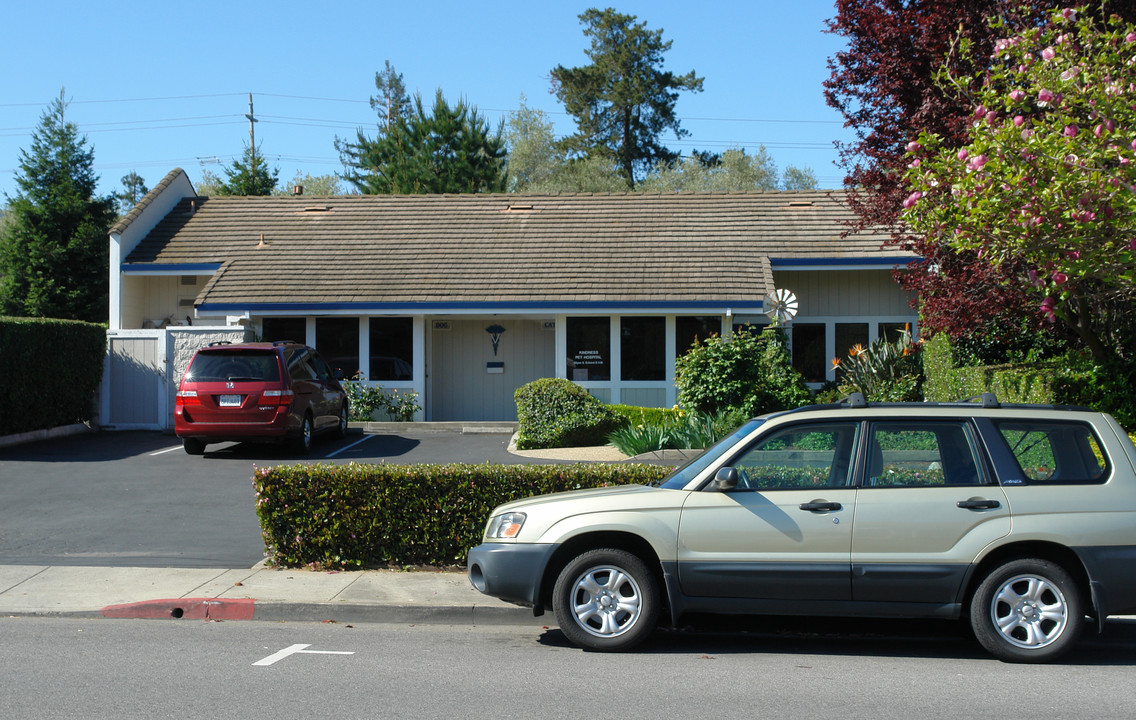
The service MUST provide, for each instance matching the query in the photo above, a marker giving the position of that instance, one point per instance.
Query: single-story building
(464, 298)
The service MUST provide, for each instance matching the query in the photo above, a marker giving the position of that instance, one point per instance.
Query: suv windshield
(683, 475)
(234, 365)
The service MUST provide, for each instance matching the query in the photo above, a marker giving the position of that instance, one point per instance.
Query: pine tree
(54, 248)
(250, 175)
(624, 100)
(133, 189)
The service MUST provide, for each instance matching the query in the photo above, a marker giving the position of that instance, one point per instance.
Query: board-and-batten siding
(460, 386)
(829, 293)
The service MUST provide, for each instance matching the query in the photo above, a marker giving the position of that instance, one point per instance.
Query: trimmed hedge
(635, 415)
(51, 370)
(355, 516)
(554, 412)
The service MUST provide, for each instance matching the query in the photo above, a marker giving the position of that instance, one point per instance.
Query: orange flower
(857, 350)
(835, 363)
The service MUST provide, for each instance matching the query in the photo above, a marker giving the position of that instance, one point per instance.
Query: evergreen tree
(449, 149)
(133, 189)
(249, 175)
(624, 100)
(54, 247)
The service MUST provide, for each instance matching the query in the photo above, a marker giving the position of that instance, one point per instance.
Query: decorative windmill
(782, 306)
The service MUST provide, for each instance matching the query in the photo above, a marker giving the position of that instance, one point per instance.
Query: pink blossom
(1019, 120)
(1044, 96)
(912, 199)
(962, 154)
(1048, 53)
(976, 163)
(1047, 306)
(1130, 37)
(913, 146)
(1018, 95)
(1074, 255)
(991, 117)
(980, 111)
(1069, 14)
(1071, 131)
(1060, 278)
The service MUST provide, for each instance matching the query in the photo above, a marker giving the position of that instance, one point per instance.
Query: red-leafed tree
(884, 85)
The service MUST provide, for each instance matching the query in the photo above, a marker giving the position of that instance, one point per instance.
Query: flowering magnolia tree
(1047, 180)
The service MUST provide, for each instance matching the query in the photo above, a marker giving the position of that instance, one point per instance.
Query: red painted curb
(184, 608)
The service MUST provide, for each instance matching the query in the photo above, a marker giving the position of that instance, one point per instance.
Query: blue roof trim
(861, 261)
(494, 306)
(168, 268)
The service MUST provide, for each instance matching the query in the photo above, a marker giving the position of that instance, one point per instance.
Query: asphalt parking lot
(136, 499)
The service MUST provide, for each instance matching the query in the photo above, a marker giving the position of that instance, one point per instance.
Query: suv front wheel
(607, 600)
(1027, 611)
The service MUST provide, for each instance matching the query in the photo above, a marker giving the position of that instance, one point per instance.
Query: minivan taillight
(272, 398)
(187, 397)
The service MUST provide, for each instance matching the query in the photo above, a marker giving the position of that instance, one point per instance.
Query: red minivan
(278, 391)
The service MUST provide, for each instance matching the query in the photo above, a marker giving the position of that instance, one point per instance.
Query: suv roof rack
(215, 343)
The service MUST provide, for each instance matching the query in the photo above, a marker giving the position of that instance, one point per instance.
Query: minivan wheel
(193, 446)
(606, 599)
(303, 443)
(341, 431)
(1027, 611)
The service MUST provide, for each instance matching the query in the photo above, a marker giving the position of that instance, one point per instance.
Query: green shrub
(635, 415)
(354, 516)
(67, 357)
(887, 371)
(681, 431)
(554, 412)
(364, 400)
(749, 372)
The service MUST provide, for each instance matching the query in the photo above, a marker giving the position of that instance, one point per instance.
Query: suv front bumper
(510, 571)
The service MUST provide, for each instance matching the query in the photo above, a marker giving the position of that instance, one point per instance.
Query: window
(589, 348)
(299, 368)
(285, 328)
(692, 327)
(808, 351)
(849, 335)
(337, 339)
(1055, 453)
(801, 456)
(893, 331)
(642, 343)
(392, 349)
(904, 454)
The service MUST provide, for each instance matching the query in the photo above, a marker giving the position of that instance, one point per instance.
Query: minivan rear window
(234, 366)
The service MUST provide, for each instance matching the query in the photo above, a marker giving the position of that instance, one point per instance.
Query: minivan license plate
(229, 401)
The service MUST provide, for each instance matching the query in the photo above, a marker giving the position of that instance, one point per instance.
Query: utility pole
(252, 136)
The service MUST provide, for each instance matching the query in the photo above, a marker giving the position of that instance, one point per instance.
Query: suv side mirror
(726, 479)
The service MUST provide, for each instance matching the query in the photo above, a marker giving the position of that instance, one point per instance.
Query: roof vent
(801, 203)
(519, 207)
(315, 210)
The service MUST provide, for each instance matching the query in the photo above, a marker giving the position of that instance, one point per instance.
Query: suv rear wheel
(607, 600)
(1027, 611)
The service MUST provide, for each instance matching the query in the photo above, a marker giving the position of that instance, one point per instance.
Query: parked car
(280, 391)
(1019, 519)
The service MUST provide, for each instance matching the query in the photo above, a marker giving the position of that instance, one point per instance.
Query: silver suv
(1021, 519)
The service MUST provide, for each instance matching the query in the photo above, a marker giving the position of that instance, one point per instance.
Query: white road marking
(163, 452)
(365, 439)
(293, 650)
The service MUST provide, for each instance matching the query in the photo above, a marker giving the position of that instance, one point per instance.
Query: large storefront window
(392, 349)
(337, 340)
(690, 328)
(285, 328)
(642, 345)
(589, 348)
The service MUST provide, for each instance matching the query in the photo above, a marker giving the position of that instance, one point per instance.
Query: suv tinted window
(902, 454)
(233, 365)
(812, 455)
(1055, 453)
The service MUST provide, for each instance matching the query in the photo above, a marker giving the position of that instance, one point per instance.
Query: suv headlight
(506, 525)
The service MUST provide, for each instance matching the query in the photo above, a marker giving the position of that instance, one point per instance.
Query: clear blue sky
(158, 85)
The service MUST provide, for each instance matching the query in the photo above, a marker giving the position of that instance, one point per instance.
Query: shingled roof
(476, 250)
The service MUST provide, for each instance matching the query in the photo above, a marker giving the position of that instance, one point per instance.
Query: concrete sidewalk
(254, 594)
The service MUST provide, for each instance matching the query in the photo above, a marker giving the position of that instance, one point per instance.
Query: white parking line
(294, 649)
(365, 439)
(163, 452)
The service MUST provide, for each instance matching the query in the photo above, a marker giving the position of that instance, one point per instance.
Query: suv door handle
(979, 504)
(814, 506)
